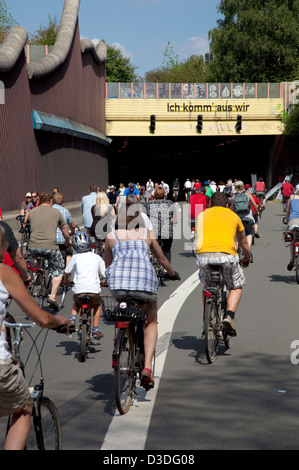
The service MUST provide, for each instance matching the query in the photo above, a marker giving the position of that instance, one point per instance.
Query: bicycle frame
(85, 326)
(128, 353)
(214, 311)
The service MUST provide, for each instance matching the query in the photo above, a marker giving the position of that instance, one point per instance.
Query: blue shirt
(86, 205)
(128, 192)
(294, 213)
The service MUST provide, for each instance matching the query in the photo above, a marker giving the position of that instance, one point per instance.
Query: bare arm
(21, 296)
(65, 233)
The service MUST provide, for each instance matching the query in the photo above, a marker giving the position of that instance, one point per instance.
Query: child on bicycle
(87, 267)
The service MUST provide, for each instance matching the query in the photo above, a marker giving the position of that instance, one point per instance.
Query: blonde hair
(102, 204)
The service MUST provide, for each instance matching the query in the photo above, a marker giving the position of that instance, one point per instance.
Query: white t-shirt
(87, 268)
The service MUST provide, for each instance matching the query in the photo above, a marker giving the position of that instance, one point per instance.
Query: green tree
(191, 70)
(6, 20)
(256, 41)
(118, 67)
(46, 35)
(292, 123)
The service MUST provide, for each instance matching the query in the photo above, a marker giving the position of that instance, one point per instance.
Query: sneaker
(97, 335)
(147, 380)
(290, 266)
(72, 325)
(229, 326)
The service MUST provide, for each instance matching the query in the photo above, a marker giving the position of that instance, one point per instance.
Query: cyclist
(88, 267)
(175, 189)
(162, 215)
(66, 251)
(287, 190)
(217, 227)
(198, 202)
(14, 394)
(103, 215)
(241, 203)
(129, 271)
(254, 212)
(260, 189)
(44, 221)
(187, 189)
(292, 218)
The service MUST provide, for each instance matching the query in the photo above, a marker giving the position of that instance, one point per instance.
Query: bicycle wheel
(45, 431)
(83, 341)
(297, 268)
(210, 324)
(37, 288)
(124, 376)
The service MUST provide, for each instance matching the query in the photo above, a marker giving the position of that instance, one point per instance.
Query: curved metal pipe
(12, 47)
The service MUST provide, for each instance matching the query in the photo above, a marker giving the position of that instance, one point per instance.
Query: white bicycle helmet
(81, 242)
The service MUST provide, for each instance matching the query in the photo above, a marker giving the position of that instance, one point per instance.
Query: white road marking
(129, 431)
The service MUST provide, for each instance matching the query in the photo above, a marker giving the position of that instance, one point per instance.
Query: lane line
(129, 431)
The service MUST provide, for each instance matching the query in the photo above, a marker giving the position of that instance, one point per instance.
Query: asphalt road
(247, 399)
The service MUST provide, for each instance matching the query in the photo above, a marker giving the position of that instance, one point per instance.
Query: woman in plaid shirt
(130, 272)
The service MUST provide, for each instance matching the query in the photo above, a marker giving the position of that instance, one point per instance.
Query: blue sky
(140, 28)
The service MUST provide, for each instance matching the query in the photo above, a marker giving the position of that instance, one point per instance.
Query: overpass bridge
(214, 128)
(193, 109)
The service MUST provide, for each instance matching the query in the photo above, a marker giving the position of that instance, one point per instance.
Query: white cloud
(123, 50)
(194, 45)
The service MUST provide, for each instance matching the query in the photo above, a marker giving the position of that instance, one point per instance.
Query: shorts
(14, 392)
(261, 193)
(94, 299)
(54, 257)
(229, 266)
(248, 225)
(144, 296)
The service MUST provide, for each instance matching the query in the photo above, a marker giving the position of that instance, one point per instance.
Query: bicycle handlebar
(176, 277)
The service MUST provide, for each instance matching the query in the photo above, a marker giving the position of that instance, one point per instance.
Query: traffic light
(153, 123)
(199, 123)
(238, 125)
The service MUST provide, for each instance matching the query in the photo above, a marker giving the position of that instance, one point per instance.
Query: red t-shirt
(260, 186)
(197, 204)
(287, 189)
(196, 186)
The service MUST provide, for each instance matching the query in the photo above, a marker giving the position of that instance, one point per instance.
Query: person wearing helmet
(87, 267)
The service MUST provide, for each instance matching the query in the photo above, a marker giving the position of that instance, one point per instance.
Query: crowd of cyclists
(131, 222)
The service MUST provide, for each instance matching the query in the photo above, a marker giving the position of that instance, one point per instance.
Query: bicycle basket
(126, 310)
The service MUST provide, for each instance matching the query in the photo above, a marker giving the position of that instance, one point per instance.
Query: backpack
(241, 205)
(228, 190)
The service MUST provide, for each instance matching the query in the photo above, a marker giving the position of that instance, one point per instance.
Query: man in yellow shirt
(217, 229)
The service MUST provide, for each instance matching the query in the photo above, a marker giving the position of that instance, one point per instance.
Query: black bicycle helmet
(81, 242)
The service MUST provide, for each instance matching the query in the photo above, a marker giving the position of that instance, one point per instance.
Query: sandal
(147, 380)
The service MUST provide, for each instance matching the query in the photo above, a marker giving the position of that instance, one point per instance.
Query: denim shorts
(54, 257)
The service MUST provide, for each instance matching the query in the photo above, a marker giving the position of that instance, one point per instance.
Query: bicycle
(41, 283)
(129, 315)
(84, 330)
(25, 236)
(45, 432)
(291, 237)
(215, 304)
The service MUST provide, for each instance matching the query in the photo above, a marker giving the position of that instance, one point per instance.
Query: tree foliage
(6, 20)
(256, 41)
(191, 70)
(46, 35)
(118, 67)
